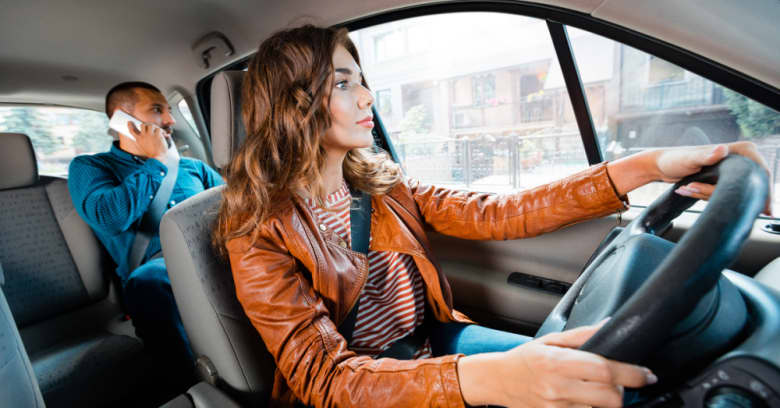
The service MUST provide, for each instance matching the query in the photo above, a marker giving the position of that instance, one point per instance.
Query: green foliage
(33, 123)
(415, 127)
(416, 121)
(91, 133)
(754, 119)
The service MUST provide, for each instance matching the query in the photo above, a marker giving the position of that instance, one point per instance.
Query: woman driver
(285, 224)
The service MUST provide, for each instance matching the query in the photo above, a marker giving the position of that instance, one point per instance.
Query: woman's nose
(366, 98)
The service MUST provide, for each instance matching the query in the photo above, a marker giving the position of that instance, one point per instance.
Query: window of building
(384, 103)
(58, 134)
(483, 89)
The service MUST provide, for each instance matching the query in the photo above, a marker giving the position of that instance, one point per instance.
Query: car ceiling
(45, 44)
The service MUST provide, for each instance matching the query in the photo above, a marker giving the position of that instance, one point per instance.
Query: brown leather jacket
(297, 284)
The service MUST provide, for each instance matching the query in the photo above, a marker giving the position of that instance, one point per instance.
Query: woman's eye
(342, 84)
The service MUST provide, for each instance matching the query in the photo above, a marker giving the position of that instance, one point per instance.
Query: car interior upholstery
(17, 379)
(65, 340)
(231, 352)
(57, 286)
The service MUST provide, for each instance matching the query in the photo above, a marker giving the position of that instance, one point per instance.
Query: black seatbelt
(149, 226)
(360, 222)
(360, 226)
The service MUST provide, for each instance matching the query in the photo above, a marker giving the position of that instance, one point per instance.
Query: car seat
(56, 286)
(231, 354)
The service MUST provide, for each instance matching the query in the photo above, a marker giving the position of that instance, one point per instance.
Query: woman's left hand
(674, 164)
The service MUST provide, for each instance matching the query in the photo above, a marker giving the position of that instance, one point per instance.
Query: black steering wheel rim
(638, 328)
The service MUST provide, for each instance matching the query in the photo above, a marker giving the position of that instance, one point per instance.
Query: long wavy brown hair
(285, 110)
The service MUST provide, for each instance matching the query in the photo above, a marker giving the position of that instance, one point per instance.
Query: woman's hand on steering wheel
(631, 172)
(549, 372)
(674, 164)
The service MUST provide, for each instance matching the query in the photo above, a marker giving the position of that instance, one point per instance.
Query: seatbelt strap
(360, 226)
(149, 226)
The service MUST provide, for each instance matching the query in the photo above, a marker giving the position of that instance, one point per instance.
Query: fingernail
(651, 378)
(693, 189)
(683, 192)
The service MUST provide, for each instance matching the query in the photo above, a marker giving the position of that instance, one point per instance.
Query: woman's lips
(367, 122)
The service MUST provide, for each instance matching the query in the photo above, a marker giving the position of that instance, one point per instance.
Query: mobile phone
(119, 122)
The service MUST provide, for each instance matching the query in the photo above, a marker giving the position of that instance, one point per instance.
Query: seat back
(18, 386)
(53, 263)
(206, 295)
(202, 281)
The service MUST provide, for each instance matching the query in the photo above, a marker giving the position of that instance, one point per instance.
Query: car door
(496, 101)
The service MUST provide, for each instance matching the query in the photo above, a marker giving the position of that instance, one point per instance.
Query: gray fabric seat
(18, 386)
(67, 313)
(219, 331)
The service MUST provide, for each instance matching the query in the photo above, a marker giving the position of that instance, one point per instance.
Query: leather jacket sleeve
(471, 215)
(307, 348)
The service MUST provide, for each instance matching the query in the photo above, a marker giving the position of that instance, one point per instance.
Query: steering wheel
(653, 285)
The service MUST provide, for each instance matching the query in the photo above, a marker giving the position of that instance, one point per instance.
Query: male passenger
(112, 192)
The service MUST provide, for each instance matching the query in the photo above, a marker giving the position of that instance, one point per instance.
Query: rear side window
(185, 111)
(57, 134)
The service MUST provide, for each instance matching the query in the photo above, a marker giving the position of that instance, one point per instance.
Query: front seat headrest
(18, 167)
(227, 127)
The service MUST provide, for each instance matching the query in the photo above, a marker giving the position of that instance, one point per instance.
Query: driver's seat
(231, 354)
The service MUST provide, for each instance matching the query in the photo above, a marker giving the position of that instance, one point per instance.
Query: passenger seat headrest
(18, 167)
(227, 127)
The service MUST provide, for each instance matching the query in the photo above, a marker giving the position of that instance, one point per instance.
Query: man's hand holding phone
(151, 140)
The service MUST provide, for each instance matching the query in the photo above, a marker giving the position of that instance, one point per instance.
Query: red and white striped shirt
(392, 303)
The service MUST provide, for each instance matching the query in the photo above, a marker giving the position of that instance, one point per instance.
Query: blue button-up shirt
(111, 191)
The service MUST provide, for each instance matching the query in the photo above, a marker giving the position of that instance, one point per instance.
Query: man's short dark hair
(124, 95)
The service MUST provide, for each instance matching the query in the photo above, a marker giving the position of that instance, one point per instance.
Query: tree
(755, 120)
(416, 121)
(91, 134)
(33, 123)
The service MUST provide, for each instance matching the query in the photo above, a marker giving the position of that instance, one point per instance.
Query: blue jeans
(150, 303)
(468, 339)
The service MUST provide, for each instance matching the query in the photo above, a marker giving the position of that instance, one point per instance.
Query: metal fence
(509, 162)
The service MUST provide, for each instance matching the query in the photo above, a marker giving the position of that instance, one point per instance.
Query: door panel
(478, 270)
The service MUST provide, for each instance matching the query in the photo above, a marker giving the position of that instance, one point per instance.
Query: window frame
(557, 19)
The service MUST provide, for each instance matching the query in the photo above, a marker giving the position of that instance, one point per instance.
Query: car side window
(639, 101)
(57, 134)
(473, 100)
(186, 113)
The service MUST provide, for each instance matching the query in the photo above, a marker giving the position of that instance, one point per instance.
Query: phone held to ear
(119, 122)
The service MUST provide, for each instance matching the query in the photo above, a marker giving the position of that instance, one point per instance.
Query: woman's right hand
(549, 372)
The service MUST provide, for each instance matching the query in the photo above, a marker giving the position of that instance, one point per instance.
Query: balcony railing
(669, 95)
(494, 164)
(503, 114)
